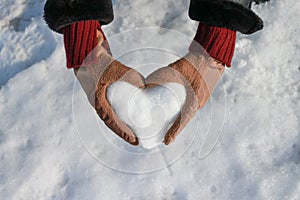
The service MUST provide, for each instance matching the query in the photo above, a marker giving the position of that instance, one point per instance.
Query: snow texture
(257, 155)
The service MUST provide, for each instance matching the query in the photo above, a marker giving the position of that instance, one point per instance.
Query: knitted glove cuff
(217, 41)
(80, 39)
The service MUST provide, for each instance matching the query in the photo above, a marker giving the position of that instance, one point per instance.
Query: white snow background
(256, 157)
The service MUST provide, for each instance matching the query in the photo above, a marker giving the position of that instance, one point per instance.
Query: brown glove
(199, 74)
(95, 79)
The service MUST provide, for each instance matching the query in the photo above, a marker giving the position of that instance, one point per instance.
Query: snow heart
(196, 89)
(149, 112)
(184, 73)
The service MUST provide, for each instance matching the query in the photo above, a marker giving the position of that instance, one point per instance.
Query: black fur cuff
(60, 13)
(225, 14)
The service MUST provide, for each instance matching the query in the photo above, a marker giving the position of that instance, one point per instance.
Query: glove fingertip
(135, 142)
(168, 140)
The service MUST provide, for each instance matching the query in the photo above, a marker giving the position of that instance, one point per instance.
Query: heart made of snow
(148, 112)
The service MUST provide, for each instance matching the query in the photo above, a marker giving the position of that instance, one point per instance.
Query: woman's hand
(95, 78)
(199, 74)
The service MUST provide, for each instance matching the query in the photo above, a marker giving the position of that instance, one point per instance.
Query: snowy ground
(43, 157)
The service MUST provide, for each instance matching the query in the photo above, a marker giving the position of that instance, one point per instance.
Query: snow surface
(49, 151)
